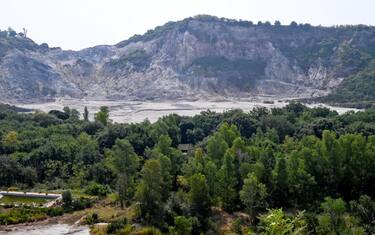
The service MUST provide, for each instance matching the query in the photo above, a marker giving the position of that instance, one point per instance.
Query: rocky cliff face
(196, 57)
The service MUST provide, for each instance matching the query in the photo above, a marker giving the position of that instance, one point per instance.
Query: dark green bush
(96, 189)
(116, 225)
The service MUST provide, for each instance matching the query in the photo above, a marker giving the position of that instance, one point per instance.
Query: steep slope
(195, 57)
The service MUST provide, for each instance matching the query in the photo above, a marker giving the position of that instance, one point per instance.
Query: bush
(21, 215)
(237, 226)
(67, 199)
(55, 211)
(183, 226)
(116, 225)
(92, 219)
(276, 222)
(96, 189)
(81, 204)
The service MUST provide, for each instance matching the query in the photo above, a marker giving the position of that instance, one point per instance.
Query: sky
(77, 24)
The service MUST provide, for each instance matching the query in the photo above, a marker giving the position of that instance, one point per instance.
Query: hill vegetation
(357, 90)
(292, 170)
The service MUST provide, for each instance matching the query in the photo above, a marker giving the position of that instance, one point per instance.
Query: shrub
(183, 226)
(55, 211)
(81, 203)
(67, 199)
(92, 219)
(116, 225)
(96, 189)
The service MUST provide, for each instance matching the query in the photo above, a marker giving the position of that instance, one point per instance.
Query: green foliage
(67, 199)
(253, 195)
(364, 209)
(102, 116)
(334, 219)
(86, 114)
(355, 89)
(116, 225)
(199, 197)
(281, 183)
(149, 192)
(216, 148)
(92, 219)
(275, 222)
(96, 189)
(182, 226)
(125, 162)
(288, 158)
(24, 214)
(228, 182)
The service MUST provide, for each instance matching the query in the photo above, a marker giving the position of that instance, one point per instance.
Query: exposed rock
(192, 58)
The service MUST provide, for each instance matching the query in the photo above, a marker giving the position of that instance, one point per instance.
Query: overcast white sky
(77, 24)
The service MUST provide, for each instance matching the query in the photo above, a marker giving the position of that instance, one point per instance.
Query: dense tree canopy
(295, 158)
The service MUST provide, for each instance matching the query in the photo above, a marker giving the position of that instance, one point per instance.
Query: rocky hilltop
(195, 57)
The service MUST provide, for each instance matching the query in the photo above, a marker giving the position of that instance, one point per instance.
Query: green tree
(253, 195)
(211, 173)
(302, 185)
(216, 148)
(86, 114)
(228, 182)
(125, 163)
(280, 193)
(67, 199)
(164, 145)
(149, 192)
(229, 133)
(182, 226)
(88, 152)
(10, 142)
(74, 115)
(331, 153)
(332, 219)
(275, 222)
(166, 169)
(102, 116)
(199, 197)
(364, 209)
(335, 220)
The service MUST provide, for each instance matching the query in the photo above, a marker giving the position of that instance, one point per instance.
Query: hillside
(197, 57)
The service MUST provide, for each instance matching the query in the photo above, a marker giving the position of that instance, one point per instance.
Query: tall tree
(199, 197)
(149, 192)
(332, 219)
(125, 162)
(216, 148)
(228, 182)
(253, 195)
(103, 115)
(280, 194)
(229, 133)
(86, 114)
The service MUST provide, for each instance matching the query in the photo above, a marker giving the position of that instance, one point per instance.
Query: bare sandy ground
(138, 111)
(52, 229)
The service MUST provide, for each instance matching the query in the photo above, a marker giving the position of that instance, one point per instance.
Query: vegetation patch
(19, 200)
(290, 170)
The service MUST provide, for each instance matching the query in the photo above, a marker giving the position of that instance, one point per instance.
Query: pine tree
(228, 182)
(253, 195)
(149, 192)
